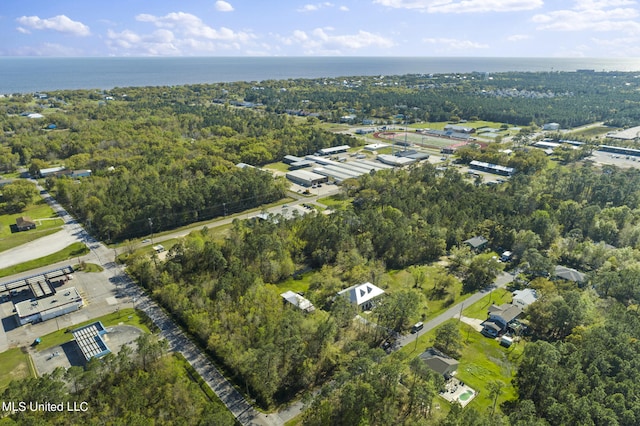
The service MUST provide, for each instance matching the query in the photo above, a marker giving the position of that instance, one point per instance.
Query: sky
(464, 28)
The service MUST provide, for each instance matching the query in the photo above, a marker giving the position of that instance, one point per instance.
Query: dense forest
(159, 161)
(573, 215)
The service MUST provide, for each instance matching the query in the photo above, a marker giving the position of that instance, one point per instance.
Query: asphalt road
(455, 311)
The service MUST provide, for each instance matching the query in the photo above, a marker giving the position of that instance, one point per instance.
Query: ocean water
(25, 75)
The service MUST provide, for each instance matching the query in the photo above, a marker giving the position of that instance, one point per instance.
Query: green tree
(448, 339)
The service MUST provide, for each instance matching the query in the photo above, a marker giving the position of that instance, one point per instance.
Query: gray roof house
(569, 274)
(477, 243)
(439, 362)
(500, 317)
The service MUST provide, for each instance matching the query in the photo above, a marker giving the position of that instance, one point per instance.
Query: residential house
(439, 362)
(569, 274)
(477, 244)
(524, 298)
(362, 295)
(298, 301)
(500, 318)
(24, 223)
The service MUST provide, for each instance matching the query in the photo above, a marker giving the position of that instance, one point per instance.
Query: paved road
(104, 256)
(501, 281)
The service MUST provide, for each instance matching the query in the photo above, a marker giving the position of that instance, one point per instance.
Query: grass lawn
(479, 309)
(46, 219)
(279, 166)
(74, 250)
(127, 316)
(296, 285)
(14, 365)
(482, 360)
(88, 267)
(334, 202)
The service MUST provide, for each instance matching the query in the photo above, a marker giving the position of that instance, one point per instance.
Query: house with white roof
(362, 295)
(524, 298)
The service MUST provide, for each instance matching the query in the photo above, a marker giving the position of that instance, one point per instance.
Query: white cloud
(600, 20)
(223, 6)
(60, 23)
(601, 4)
(191, 25)
(314, 7)
(178, 34)
(321, 41)
(447, 44)
(518, 37)
(463, 6)
(343, 9)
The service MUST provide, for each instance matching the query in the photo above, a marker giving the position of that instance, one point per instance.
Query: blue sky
(483, 28)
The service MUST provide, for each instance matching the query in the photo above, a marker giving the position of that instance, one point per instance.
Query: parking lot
(69, 354)
(102, 293)
(619, 160)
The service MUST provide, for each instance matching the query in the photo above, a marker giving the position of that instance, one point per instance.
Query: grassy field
(296, 285)
(74, 250)
(14, 365)
(334, 202)
(279, 166)
(47, 220)
(127, 316)
(590, 132)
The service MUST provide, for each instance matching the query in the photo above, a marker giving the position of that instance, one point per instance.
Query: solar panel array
(90, 341)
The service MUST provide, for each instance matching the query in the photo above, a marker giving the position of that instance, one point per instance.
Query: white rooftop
(524, 297)
(362, 293)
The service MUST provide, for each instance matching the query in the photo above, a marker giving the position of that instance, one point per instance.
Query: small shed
(298, 301)
(24, 223)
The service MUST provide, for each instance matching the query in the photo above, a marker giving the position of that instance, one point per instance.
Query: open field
(590, 132)
(14, 365)
(47, 220)
(74, 250)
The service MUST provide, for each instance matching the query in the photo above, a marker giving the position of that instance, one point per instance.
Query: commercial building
(334, 150)
(38, 310)
(90, 341)
(492, 168)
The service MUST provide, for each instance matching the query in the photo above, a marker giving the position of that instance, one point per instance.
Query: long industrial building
(38, 310)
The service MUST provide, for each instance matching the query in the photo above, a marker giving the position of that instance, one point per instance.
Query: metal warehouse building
(305, 178)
